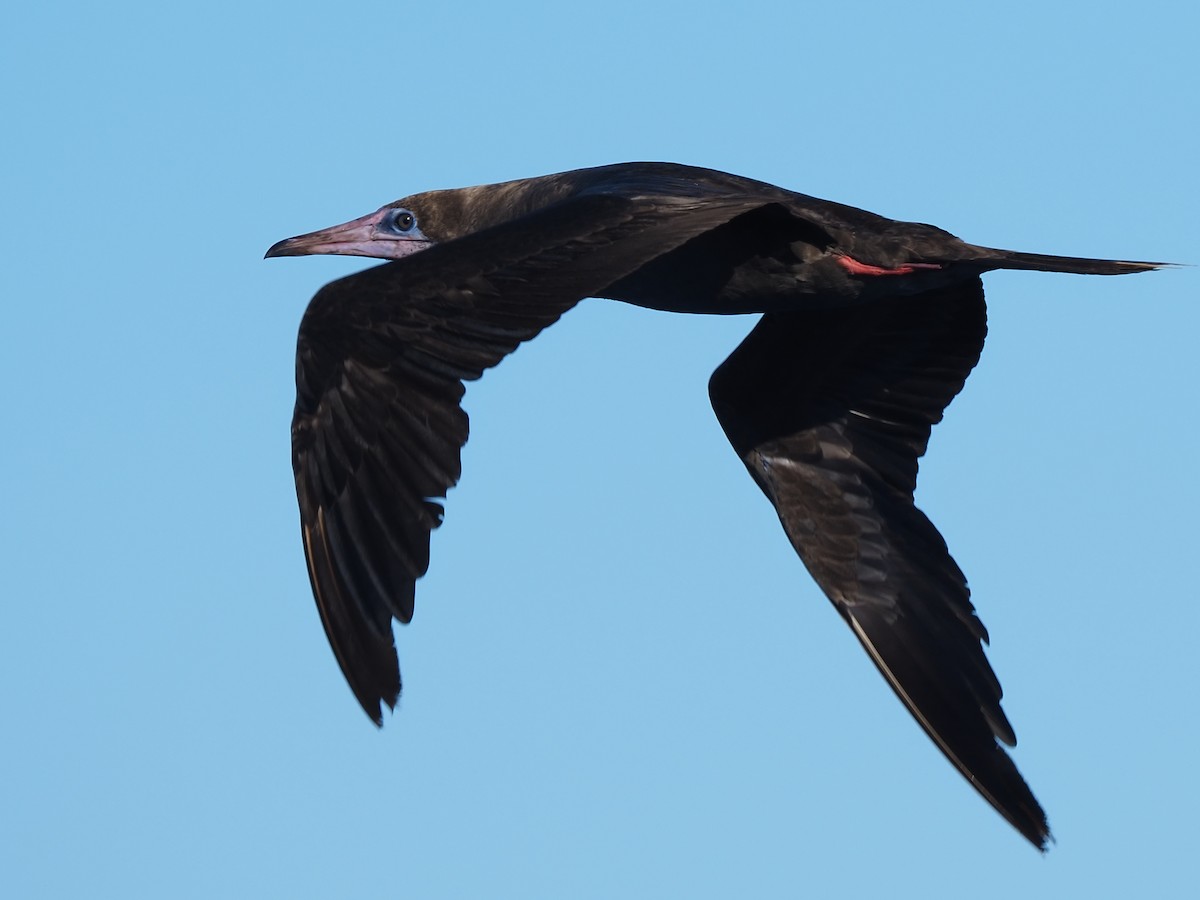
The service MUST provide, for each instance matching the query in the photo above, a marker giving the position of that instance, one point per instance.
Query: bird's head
(423, 220)
(393, 232)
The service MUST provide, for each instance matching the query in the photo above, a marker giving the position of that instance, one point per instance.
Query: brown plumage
(869, 329)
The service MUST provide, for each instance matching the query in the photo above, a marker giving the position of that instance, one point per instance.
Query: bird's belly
(769, 286)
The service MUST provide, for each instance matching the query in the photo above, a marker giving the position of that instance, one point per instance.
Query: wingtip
(373, 704)
(376, 716)
(1041, 838)
(1030, 820)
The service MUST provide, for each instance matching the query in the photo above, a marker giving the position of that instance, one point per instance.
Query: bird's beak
(368, 236)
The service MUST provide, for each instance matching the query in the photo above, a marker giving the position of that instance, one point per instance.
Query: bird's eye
(404, 221)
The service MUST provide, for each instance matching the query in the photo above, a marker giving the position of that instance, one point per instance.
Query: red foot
(854, 267)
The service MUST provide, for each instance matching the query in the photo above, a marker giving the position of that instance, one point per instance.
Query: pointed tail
(1039, 262)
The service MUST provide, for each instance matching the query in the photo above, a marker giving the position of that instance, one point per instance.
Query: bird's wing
(381, 358)
(830, 412)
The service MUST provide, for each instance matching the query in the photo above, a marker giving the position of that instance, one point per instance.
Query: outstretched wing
(830, 412)
(381, 360)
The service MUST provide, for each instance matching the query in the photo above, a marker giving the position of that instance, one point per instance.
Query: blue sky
(620, 681)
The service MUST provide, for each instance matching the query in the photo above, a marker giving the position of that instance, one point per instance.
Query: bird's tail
(1040, 262)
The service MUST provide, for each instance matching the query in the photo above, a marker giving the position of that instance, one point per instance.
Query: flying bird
(869, 327)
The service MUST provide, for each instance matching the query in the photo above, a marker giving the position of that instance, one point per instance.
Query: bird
(868, 327)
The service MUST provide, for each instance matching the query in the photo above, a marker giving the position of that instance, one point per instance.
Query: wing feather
(381, 360)
(830, 412)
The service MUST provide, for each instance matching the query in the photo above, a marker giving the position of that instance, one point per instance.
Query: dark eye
(404, 221)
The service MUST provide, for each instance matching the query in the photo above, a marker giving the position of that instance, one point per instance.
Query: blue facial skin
(404, 222)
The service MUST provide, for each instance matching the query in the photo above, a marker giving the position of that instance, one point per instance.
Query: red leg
(854, 267)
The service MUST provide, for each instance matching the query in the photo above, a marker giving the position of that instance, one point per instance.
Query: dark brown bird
(870, 328)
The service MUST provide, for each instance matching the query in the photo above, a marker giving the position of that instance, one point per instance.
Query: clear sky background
(620, 681)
